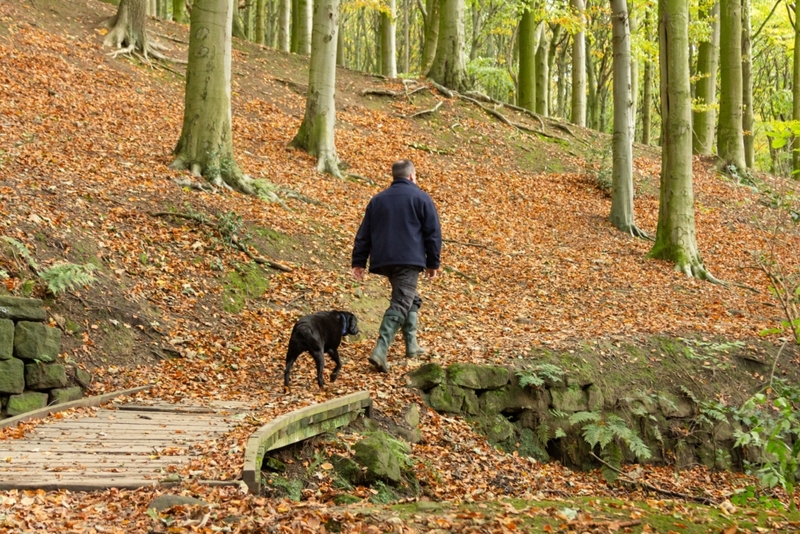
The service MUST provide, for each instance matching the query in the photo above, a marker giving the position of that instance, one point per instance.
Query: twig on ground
(424, 111)
(453, 241)
(459, 273)
(426, 148)
(646, 485)
(294, 86)
(362, 178)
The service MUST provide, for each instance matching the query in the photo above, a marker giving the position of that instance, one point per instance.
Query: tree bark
(406, 36)
(261, 21)
(179, 11)
(237, 25)
(543, 74)
(388, 41)
(316, 134)
(431, 17)
(449, 67)
(796, 98)
(301, 26)
(675, 234)
(591, 86)
(622, 216)
(578, 115)
(633, 22)
(730, 139)
(284, 25)
(704, 117)
(206, 143)
(747, 87)
(529, 33)
(127, 27)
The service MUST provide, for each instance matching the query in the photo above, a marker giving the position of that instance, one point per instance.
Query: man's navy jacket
(400, 227)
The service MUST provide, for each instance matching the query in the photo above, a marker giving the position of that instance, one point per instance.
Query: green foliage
(598, 168)
(19, 249)
(609, 432)
(489, 78)
(67, 276)
(749, 497)
(710, 352)
(228, 225)
(534, 377)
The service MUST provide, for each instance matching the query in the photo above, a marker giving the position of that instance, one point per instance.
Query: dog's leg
(291, 356)
(334, 354)
(319, 359)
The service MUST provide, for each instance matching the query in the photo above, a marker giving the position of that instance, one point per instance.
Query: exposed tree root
(424, 111)
(233, 239)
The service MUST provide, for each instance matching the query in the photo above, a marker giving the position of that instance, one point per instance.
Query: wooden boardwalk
(131, 446)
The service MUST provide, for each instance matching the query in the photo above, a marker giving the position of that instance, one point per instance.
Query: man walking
(401, 236)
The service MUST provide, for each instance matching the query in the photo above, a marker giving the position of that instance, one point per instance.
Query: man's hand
(431, 273)
(358, 273)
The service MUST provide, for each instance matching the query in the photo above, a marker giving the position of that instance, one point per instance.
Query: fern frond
(613, 456)
(22, 250)
(66, 276)
(584, 417)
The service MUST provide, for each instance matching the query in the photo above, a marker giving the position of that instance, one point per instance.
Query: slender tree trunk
(449, 66)
(730, 138)
(543, 73)
(340, 57)
(406, 36)
(622, 145)
(529, 33)
(578, 115)
(237, 25)
(179, 11)
(301, 26)
(796, 98)
(634, 17)
(316, 134)
(476, 29)
(591, 85)
(704, 117)
(284, 25)
(431, 17)
(647, 101)
(747, 87)
(388, 46)
(206, 143)
(261, 21)
(561, 86)
(675, 234)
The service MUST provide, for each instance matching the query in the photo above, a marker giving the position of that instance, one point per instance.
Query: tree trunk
(340, 57)
(206, 144)
(747, 87)
(431, 17)
(406, 36)
(591, 85)
(284, 25)
(704, 117)
(634, 17)
(543, 74)
(730, 139)
(127, 28)
(449, 67)
(561, 85)
(578, 115)
(529, 32)
(622, 145)
(301, 26)
(675, 234)
(237, 25)
(261, 21)
(179, 11)
(796, 99)
(316, 134)
(477, 21)
(647, 82)
(388, 46)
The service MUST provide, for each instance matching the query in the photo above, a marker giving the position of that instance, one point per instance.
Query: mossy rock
(379, 455)
(446, 398)
(274, 465)
(22, 309)
(36, 342)
(345, 499)
(12, 376)
(62, 395)
(347, 469)
(26, 402)
(425, 376)
(473, 376)
(571, 399)
(497, 428)
(45, 376)
(6, 339)
(290, 488)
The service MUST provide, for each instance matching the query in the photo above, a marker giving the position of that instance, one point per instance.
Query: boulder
(62, 395)
(26, 402)
(472, 376)
(36, 342)
(22, 309)
(12, 376)
(347, 469)
(425, 376)
(83, 378)
(411, 415)
(6, 339)
(45, 375)
(380, 458)
(571, 399)
(674, 405)
(497, 428)
(446, 398)
(165, 502)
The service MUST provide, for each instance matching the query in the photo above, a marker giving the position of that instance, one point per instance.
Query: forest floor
(530, 266)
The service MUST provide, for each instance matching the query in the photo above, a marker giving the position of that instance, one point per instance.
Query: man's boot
(410, 333)
(391, 323)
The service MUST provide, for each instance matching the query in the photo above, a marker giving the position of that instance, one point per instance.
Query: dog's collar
(344, 320)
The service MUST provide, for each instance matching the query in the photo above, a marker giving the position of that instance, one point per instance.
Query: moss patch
(249, 282)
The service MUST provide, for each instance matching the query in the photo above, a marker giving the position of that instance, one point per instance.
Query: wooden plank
(92, 484)
(296, 426)
(80, 403)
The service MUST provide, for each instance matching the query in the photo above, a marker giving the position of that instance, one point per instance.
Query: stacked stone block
(31, 375)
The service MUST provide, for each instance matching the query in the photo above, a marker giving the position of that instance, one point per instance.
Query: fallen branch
(442, 89)
(426, 148)
(170, 38)
(459, 273)
(294, 86)
(453, 241)
(646, 485)
(234, 239)
(370, 181)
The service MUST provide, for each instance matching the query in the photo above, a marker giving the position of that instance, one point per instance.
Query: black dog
(319, 333)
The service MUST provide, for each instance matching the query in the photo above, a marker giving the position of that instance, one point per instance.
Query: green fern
(21, 250)
(607, 431)
(66, 276)
(534, 376)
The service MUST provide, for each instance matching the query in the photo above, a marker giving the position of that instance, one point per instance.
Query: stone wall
(31, 374)
(534, 420)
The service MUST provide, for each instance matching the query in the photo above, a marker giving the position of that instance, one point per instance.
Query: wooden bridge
(145, 443)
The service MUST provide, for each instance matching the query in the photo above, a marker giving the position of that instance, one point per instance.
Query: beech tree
(449, 66)
(284, 25)
(127, 31)
(704, 115)
(675, 233)
(388, 46)
(205, 146)
(622, 145)
(730, 139)
(301, 26)
(316, 134)
(579, 68)
(747, 87)
(529, 35)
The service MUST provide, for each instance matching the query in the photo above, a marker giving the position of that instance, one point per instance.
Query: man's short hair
(402, 169)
